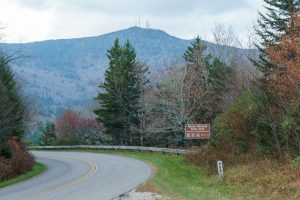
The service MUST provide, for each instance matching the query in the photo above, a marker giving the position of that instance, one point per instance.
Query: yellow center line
(94, 169)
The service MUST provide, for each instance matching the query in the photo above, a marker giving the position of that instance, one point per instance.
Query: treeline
(134, 111)
(14, 159)
(73, 128)
(264, 121)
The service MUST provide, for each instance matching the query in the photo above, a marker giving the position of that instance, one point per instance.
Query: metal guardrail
(109, 147)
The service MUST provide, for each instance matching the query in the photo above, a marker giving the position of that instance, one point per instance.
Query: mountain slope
(60, 74)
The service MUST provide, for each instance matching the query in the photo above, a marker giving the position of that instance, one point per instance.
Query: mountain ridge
(95, 36)
(65, 73)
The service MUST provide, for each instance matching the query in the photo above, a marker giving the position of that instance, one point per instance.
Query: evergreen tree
(48, 136)
(121, 93)
(135, 80)
(213, 76)
(218, 84)
(109, 114)
(194, 53)
(197, 62)
(12, 108)
(271, 26)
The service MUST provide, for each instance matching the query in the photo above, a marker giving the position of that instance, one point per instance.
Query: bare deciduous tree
(178, 99)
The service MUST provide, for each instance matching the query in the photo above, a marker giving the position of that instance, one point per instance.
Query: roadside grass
(262, 177)
(175, 178)
(267, 178)
(37, 169)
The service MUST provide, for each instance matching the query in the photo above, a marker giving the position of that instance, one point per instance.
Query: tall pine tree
(212, 79)
(12, 108)
(109, 114)
(271, 26)
(120, 94)
(48, 136)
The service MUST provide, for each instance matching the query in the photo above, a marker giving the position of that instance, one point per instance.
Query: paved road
(80, 176)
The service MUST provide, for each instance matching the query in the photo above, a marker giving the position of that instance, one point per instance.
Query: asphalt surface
(80, 176)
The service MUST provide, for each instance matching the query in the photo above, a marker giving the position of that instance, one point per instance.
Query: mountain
(65, 73)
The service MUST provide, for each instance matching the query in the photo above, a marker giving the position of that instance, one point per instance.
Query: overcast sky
(33, 20)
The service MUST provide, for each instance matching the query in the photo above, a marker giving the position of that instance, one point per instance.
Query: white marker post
(220, 169)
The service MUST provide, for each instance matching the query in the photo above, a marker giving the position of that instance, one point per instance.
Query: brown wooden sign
(197, 131)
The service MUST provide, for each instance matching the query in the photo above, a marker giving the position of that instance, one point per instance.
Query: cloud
(145, 7)
(45, 19)
(24, 24)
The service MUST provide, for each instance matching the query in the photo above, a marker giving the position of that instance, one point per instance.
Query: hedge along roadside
(104, 147)
(38, 168)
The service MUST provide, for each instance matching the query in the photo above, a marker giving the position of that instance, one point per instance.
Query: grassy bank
(37, 169)
(179, 180)
(255, 180)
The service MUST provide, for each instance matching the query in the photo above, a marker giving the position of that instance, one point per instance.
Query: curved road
(80, 176)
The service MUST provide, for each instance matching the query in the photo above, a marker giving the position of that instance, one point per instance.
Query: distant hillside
(65, 73)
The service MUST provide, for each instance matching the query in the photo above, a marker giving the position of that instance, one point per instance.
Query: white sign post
(220, 169)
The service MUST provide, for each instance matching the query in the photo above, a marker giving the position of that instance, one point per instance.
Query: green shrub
(5, 150)
(254, 123)
(20, 163)
(296, 163)
(232, 129)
